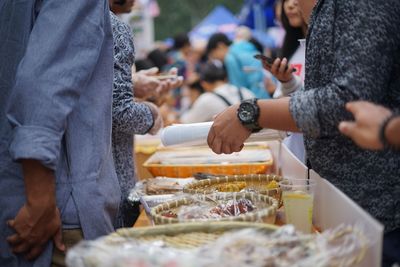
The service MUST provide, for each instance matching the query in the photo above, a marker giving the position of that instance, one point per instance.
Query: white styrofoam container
(332, 207)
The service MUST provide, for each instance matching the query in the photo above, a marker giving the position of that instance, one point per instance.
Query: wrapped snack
(217, 206)
(231, 187)
(162, 186)
(343, 246)
(217, 209)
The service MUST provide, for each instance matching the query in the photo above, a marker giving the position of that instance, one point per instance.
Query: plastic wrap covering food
(158, 186)
(344, 246)
(218, 206)
(186, 161)
(217, 209)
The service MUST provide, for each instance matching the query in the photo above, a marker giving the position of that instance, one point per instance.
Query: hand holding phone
(269, 61)
(281, 69)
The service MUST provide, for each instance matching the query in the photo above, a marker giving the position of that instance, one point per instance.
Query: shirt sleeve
(366, 41)
(61, 54)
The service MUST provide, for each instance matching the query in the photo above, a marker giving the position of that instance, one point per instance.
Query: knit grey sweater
(353, 53)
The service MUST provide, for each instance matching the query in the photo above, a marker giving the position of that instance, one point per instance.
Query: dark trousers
(70, 238)
(130, 213)
(391, 248)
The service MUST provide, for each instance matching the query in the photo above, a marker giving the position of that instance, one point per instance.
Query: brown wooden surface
(143, 220)
(142, 172)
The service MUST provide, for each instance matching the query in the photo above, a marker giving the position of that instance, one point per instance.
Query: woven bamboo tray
(189, 235)
(257, 182)
(266, 215)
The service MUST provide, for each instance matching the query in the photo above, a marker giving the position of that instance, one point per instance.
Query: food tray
(189, 235)
(256, 182)
(185, 162)
(266, 215)
(220, 244)
(150, 202)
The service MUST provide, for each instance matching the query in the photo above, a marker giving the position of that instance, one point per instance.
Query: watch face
(246, 112)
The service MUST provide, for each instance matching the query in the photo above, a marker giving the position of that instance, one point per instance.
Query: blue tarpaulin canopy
(219, 20)
(222, 20)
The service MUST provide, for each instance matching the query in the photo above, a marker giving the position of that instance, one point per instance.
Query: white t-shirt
(297, 61)
(295, 141)
(208, 104)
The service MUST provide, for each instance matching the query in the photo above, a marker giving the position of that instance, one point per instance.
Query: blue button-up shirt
(56, 71)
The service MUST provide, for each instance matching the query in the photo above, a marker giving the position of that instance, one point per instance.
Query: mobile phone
(165, 77)
(265, 59)
(268, 60)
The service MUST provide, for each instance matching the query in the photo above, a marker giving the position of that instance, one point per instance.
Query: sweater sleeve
(366, 40)
(129, 116)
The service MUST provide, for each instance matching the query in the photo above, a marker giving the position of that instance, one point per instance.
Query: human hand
(166, 86)
(38, 220)
(365, 129)
(145, 83)
(149, 87)
(281, 69)
(157, 118)
(227, 134)
(173, 83)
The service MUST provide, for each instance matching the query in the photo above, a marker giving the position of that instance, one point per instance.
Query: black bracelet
(382, 137)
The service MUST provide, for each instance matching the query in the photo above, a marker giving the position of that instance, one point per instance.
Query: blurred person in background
(243, 69)
(195, 90)
(292, 54)
(179, 53)
(178, 57)
(218, 94)
(58, 183)
(159, 58)
(292, 57)
(346, 60)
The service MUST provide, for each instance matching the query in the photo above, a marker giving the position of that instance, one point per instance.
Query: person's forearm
(275, 114)
(392, 132)
(39, 184)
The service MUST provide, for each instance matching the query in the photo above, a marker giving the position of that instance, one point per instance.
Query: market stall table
(143, 220)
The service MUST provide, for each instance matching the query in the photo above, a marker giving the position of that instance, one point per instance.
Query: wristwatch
(248, 113)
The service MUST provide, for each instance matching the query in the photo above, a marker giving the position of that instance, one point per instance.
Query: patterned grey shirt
(129, 117)
(353, 53)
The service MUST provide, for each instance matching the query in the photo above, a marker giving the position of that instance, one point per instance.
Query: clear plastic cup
(298, 200)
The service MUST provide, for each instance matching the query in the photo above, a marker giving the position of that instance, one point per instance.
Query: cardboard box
(332, 207)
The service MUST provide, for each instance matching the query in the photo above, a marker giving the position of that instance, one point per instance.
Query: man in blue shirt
(56, 168)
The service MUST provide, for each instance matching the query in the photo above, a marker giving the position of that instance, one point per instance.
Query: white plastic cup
(298, 200)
